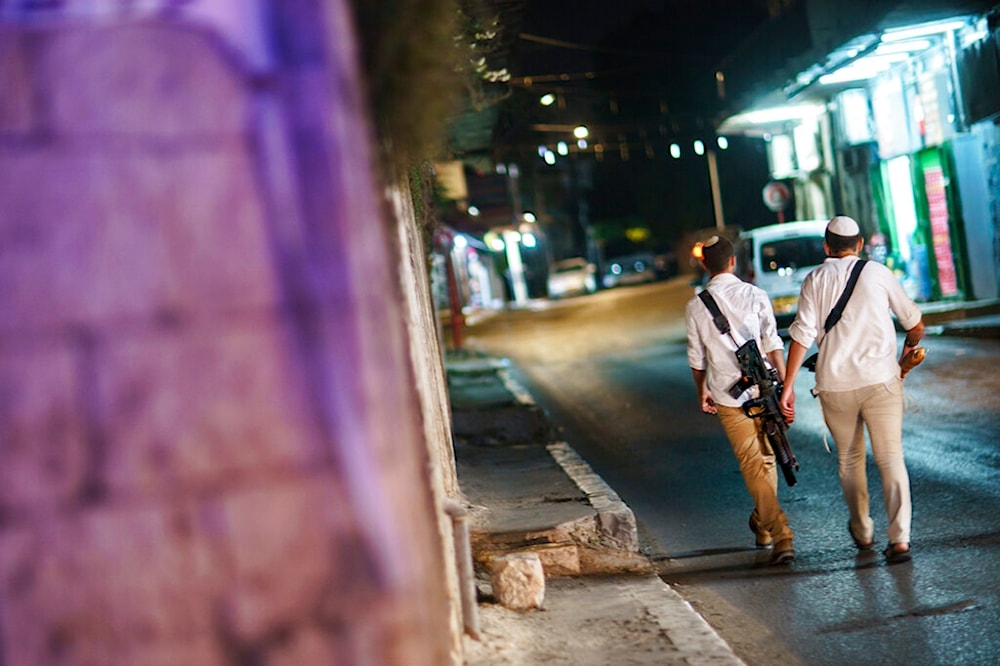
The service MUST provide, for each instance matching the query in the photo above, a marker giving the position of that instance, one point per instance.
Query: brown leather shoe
(762, 538)
(897, 553)
(783, 553)
(861, 545)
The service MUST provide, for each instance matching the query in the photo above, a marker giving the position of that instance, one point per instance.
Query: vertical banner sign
(938, 204)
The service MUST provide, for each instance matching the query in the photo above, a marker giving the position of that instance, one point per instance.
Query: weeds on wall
(425, 61)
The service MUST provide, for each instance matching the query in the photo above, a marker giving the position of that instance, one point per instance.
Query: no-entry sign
(776, 196)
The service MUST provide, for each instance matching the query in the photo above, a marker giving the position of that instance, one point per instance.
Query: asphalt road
(612, 372)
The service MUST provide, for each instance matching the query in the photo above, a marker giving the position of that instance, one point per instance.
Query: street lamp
(713, 177)
(700, 148)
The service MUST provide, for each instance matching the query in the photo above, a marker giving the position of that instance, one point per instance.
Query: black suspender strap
(838, 309)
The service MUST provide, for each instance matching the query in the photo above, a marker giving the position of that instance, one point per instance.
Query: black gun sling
(838, 309)
(718, 318)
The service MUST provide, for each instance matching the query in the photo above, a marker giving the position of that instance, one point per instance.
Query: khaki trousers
(880, 408)
(760, 472)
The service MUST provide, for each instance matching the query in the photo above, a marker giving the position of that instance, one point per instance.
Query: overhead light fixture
(908, 47)
(780, 114)
(923, 30)
(907, 41)
(863, 69)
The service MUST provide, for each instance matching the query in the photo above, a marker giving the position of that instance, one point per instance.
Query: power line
(562, 44)
(548, 41)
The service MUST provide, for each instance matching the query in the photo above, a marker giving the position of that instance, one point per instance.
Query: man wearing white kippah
(712, 358)
(858, 378)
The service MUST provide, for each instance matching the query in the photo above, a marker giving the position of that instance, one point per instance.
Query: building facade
(892, 120)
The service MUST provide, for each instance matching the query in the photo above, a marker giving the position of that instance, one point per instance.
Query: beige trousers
(760, 472)
(879, 408)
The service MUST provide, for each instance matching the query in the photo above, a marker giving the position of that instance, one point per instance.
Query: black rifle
(766, 406)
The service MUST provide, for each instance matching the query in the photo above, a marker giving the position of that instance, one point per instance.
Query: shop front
(894, 145)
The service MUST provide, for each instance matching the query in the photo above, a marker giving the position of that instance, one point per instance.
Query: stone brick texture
(207, 457)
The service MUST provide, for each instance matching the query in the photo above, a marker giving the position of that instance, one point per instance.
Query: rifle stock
(766, 406)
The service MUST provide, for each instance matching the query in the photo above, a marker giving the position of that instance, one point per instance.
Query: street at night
(353, 332)
(611, 371)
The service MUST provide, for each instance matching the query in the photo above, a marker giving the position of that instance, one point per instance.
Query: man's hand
(707, 403)
(787, 403)
(704, 395)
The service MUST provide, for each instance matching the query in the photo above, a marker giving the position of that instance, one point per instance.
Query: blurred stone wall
(211, 445)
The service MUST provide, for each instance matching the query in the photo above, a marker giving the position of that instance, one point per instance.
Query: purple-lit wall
(211, 443)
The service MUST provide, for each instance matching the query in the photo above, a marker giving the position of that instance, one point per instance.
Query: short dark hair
(839, 244)
(716, 253)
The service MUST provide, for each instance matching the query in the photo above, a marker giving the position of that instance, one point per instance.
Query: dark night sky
(706, 28)
(588, 21)
(646, 53)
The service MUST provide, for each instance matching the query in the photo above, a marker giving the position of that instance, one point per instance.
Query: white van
(778, 257)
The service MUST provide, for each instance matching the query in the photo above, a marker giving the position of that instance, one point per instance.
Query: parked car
(665, 265)
(778, 257)
(630, 269)
(572, 277)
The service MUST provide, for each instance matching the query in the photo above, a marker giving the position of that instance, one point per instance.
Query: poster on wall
(937, 202)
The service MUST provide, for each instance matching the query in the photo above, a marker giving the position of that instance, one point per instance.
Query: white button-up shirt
(861, 349)
(750, 316)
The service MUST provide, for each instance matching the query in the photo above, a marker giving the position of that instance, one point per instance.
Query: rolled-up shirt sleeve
(769, 338)
(907, 312)
(803, 329)
(695, 347)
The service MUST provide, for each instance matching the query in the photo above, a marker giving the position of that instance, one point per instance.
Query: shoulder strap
(718, 318)
(838, 309)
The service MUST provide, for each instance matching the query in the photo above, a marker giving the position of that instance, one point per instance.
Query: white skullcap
(844, 226)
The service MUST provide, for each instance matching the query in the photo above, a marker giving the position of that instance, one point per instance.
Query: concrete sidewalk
(529, 492)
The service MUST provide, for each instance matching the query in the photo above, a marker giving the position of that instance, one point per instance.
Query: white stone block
(519, 581)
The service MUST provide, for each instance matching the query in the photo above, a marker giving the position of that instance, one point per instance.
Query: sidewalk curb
(683, 625)
(617, 527)
(615, 519)
(601, 545)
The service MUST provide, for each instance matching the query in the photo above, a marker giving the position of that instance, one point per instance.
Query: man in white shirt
(858, 378)
(712, 358)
